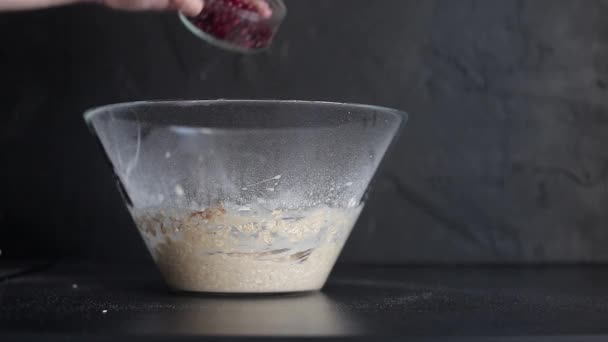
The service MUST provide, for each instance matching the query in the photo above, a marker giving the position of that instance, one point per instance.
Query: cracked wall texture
(505, 158)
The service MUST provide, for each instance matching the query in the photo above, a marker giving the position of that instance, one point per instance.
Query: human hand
(188, 7)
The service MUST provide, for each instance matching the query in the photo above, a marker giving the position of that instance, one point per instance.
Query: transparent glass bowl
(239, 196)
(223, 24)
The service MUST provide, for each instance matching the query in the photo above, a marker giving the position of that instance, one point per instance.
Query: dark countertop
(68, 301)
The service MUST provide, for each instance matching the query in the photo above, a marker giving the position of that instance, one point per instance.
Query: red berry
(223, 19)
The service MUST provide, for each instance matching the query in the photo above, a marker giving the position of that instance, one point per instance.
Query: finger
(129, 5)
(263, 8)
(189, 8)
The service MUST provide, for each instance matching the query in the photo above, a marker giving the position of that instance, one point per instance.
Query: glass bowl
(240, 196)
(244, 26)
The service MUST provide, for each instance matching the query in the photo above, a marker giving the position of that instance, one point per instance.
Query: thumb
(190, 8)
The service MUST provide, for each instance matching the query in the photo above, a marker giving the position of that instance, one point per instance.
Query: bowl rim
(93, 112)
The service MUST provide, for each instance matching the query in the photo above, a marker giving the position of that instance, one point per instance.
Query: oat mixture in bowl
(219, 250)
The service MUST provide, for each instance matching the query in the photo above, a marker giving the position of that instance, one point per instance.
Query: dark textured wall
(505, 158)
